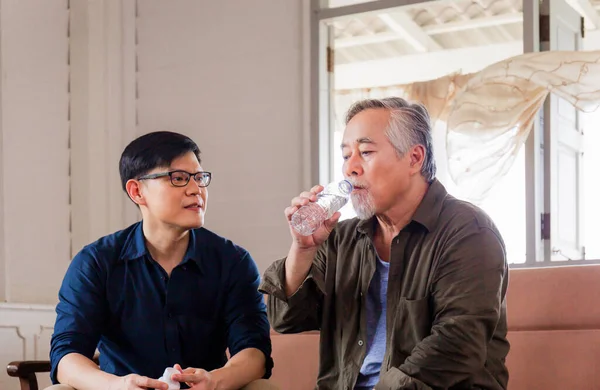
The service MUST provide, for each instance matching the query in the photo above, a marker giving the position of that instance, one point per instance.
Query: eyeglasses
(182, 178)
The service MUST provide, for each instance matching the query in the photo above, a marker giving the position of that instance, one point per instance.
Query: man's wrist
(299, 250)
(115, 382)
(217, 376)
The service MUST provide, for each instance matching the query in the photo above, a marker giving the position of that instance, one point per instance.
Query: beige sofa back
(554, 328)
(554, 331)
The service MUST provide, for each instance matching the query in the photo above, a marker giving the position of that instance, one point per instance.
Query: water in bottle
(310, 217)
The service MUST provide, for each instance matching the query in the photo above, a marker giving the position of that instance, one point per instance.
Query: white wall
(233, 82)
(34, 174)
(229, 74)
(34, 128)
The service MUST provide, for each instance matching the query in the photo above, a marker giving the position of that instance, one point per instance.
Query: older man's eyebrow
(362, 140)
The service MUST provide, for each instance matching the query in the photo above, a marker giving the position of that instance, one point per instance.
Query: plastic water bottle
(310, 217)
(166, 377)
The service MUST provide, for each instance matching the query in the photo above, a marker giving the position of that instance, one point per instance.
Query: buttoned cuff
(274, 280)
(394, 379)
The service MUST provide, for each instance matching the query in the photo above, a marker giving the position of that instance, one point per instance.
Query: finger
(310, 195)
(331, 222)
(303, 199)
(196, 378)
(289, 211)
(148, 383)
(299, 202)
(178, 367)
(316, 189)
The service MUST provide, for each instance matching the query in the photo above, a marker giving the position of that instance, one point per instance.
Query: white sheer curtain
(488, 114)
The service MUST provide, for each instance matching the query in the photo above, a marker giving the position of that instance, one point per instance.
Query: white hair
(409, 126)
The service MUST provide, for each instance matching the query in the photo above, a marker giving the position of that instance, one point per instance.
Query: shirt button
(360, 343)
(184, 268)
(170, 315)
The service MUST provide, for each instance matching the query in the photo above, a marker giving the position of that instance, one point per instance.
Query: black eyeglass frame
(199, 181)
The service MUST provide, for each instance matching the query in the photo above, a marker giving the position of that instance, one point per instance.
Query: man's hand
(319, 236)
(195, 378)
(304, 248)
(135, 382)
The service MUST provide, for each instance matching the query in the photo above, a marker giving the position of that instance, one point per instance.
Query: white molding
(25, 333)
(307, 179)
(29, 322)
(25, 307)
(129, 118)
(3, 273)
(103, 114)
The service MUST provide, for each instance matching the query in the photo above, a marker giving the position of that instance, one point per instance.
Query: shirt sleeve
(81, 310)
(302, 311)
(468, 297)
(246, 313)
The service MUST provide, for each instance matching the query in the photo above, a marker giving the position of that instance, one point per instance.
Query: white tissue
(166, 377)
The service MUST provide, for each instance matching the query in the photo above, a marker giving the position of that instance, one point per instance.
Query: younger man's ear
(134, 190)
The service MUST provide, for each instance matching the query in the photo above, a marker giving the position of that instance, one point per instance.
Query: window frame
(322, 119)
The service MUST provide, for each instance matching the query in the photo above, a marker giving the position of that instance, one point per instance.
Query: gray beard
(363, 205)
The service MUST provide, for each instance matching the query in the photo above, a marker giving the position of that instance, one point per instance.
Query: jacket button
(360, 343)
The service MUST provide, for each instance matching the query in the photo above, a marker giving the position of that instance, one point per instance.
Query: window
(427, 40)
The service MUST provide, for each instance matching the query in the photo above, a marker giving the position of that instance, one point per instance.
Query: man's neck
(167, 246)
(396, 218)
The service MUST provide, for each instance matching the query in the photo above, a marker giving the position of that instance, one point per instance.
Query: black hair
(153, 150)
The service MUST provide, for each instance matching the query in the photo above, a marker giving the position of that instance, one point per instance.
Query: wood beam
(413, 34)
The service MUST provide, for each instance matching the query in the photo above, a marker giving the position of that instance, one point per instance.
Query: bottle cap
(345, 187)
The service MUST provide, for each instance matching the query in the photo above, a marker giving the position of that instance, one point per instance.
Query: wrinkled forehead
(367, 126)
(369, 130)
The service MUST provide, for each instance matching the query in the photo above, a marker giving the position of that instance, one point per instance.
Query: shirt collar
(429, 210)
(427, 213)
(135, 247)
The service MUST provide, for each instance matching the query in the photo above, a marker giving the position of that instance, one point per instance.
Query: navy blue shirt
(116, 298)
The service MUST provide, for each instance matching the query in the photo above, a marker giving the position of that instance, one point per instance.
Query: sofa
(554, 331)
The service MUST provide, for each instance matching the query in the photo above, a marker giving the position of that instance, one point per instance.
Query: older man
(409, 295)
